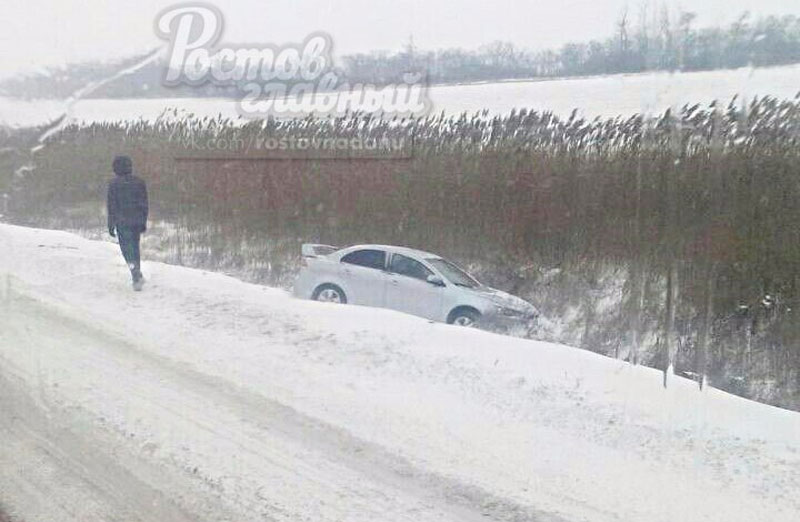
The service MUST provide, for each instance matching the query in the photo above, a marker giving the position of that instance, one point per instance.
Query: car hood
(504, 299)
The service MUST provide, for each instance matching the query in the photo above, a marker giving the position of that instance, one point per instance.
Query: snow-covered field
(205, 398)
(607, 96)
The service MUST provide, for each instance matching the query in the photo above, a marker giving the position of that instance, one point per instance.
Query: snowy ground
(205, 398)
(605, 96)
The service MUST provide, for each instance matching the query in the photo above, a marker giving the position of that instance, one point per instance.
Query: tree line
(651, 40)
(657, 40)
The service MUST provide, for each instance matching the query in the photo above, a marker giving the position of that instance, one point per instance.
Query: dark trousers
(129, 244)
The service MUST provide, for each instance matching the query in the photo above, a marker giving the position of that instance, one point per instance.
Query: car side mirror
(435, 280)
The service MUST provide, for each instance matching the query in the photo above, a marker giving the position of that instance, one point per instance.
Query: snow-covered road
(205, 398)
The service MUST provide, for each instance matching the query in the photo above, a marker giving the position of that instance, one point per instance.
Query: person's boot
(138, 280)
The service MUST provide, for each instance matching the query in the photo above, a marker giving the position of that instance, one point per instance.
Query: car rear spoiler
(312, 250)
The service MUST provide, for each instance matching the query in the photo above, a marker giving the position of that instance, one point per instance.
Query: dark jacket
(127, 203)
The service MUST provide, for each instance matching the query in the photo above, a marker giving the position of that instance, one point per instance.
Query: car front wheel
(329, 294)
(466, 317)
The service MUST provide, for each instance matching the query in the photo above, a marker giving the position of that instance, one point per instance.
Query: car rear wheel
(466, 317)
(329, 294)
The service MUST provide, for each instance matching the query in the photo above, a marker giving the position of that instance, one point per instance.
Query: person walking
(127, 214)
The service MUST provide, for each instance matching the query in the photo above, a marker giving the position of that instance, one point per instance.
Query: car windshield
(453, 274)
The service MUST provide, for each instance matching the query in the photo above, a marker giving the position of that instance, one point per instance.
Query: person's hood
(122, 166)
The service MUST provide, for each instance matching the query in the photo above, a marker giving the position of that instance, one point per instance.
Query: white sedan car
(409, 281)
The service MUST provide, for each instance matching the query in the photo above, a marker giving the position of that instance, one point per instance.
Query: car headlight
(510, 312)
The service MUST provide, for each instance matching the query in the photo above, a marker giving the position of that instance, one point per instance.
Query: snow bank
(498, 427)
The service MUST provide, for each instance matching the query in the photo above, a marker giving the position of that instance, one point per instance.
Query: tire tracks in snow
(51, 442)
(449, 499)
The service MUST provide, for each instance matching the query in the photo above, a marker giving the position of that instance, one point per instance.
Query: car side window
(366, 258)
(403, 265)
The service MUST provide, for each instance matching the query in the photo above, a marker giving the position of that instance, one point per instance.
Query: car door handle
(395, 282)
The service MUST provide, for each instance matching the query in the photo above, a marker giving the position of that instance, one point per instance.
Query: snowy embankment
(205, 398)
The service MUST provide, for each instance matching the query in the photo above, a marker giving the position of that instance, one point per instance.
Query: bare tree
(623, 42)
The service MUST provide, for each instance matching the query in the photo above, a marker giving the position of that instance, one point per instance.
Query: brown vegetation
(703, 202)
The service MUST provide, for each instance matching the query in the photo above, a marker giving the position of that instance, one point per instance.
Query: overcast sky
(37, 33)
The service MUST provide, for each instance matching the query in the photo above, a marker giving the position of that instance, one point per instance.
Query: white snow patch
(265, 405)
(593, 96)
